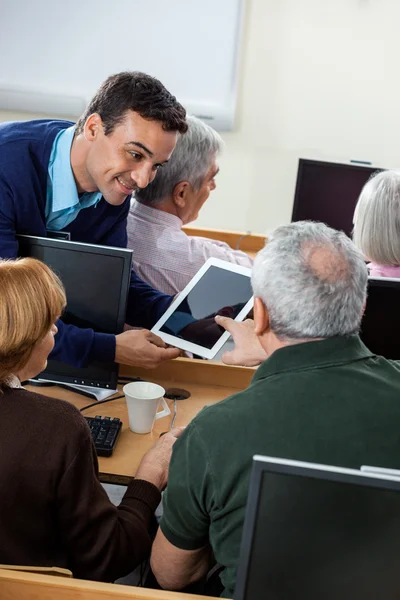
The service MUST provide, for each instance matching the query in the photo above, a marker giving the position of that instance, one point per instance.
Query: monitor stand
(85, 390)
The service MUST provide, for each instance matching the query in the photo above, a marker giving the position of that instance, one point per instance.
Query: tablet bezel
(190, 346)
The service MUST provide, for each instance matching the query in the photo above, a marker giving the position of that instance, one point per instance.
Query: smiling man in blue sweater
(57, 176)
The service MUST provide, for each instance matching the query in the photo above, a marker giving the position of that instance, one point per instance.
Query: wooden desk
(249, 243)
(28, 586)
(207, 381)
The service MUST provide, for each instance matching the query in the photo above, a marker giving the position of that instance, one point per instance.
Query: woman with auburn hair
(53, 508)
(377, 223)
(31, 300)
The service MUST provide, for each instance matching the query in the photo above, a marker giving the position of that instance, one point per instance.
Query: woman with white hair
(377, 223)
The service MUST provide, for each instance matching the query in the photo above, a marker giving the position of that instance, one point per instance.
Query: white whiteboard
(55, 54)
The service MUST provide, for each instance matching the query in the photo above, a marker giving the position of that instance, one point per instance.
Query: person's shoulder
(205, 243)
(210, 248)
(25, 148)
(33, 404)
(216, 433)
(213, 416)
(389, 365)
(20, 132)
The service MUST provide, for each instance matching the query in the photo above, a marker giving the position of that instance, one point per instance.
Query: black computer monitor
(328, 192)
(96, 280)
(380, 326)
(313, 532)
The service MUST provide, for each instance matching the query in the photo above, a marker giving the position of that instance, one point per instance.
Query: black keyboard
(105, 431)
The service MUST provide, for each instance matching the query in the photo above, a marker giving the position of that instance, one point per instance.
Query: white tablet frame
(381, 471)
(189, 346)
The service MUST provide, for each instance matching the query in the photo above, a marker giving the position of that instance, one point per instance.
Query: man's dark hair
(132, 90)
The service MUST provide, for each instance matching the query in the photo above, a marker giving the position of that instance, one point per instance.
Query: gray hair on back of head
(377, 218)
(190, 161)
(313, 281)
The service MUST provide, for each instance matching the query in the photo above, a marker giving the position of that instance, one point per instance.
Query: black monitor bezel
(262, 465)
(123, 253)
(377, 282)
(322, 163)
(383, 282)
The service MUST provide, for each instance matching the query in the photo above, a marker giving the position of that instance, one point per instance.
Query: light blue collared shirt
(62, 200)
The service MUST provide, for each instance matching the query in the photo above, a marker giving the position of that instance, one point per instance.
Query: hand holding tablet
(218, 288)
(247, 351)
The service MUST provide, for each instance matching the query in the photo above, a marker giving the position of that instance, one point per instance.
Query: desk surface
(16, 585)
(207, 381)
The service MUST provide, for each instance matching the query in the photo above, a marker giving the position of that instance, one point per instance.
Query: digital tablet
(381, 471)
(218, 288)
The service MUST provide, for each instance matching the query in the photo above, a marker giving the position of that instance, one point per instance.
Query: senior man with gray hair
(319, 395)
(164, 255)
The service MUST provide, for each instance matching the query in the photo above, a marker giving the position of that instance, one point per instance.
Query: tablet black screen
(219, 292)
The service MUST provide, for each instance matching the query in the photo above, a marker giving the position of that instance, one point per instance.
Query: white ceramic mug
(143, 399)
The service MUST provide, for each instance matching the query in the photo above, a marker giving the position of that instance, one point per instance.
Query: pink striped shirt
(167, 258)
(376, 270)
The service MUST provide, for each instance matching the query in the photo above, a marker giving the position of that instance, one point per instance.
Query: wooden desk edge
(248, 242)
(191, 370)
(30, 586)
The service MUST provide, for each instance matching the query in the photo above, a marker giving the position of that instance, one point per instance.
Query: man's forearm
(177, 574)
(78, 346)
(145, 304)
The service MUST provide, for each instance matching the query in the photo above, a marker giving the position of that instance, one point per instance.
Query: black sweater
(53, 509)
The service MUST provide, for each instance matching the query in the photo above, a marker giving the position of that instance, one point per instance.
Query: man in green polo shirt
(319, 396)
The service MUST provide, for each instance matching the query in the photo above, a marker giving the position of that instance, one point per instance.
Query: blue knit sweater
(25, 149)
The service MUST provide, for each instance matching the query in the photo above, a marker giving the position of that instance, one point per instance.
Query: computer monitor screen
(96, 280)
(314, 532)
(380, 326)
(328, 192)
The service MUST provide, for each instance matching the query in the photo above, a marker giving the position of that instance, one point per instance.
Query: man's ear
(261, 317)
(363, 309)
(92, 127)
(180, 193)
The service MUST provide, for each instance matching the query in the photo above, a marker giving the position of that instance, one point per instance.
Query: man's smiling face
(127, 158)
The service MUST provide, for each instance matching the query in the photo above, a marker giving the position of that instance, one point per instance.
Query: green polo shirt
(330, 402)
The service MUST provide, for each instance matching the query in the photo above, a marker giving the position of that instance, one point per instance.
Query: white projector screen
(56, 54)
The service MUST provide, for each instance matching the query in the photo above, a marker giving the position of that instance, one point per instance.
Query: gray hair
(190, 161)
(313, 281)
(377, 219)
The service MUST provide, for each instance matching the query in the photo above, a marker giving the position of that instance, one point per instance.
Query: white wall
(319, 79)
